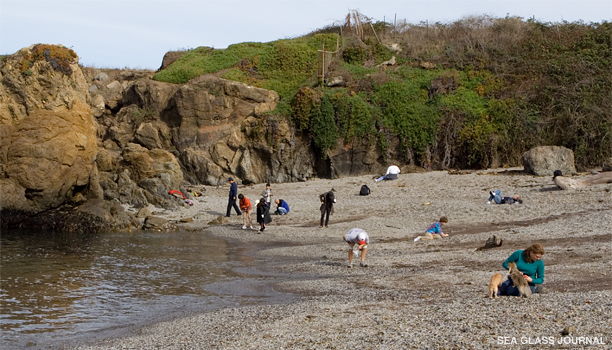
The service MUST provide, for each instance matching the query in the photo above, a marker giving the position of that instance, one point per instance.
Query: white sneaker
(363, 264)
(350, 265)
(244, 227)
(251, 227)
(489, 202)
(418, 238)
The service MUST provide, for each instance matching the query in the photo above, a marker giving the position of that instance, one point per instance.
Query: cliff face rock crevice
(85, 135)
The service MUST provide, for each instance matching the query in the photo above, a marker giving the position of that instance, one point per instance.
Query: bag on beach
(365, 190)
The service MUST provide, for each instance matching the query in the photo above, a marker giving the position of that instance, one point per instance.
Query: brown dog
(496, 281)
(518, 280)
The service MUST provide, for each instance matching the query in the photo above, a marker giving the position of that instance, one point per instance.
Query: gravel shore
(413, 295)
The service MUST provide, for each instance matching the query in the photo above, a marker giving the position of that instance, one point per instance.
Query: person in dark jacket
(263, 214)
(233, 193)
(327, 205)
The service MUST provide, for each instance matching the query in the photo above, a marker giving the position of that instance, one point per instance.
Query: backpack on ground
(365, 190)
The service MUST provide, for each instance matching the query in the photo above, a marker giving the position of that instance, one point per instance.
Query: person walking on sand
(327, 206)
(360, 237)
(245, 206)
(263, 214)
(391, 174)
(231, 203)
(435, 230)
(529, 262)
(267, 194)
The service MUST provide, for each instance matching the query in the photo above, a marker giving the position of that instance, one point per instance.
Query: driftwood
(492, 242)
(567, 183)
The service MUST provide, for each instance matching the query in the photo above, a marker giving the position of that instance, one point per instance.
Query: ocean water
(65, 289)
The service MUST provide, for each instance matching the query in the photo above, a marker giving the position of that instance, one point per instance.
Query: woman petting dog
(529, 263)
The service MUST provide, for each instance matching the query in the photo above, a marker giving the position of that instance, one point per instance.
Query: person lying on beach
(435, 230)
(498, 199)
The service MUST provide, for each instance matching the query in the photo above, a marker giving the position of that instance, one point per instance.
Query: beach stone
(220, 220)
(544, 160)
(143, 213)
(155, 223)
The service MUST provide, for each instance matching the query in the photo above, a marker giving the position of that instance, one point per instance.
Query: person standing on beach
(360, 237)
(231, 202)
(529, 262)
(267, 194)
(263, 214)
(327, 206)
(435, 230)
(245, 206)
(392, 173)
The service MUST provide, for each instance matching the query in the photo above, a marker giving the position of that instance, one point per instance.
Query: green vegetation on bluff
(466, 94)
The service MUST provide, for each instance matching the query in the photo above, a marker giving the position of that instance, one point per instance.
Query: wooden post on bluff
(325, 58)
(321, 67)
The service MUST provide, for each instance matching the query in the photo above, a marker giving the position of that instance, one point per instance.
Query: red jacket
(245, 204)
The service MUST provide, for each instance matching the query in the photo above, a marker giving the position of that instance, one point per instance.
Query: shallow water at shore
(60, 289)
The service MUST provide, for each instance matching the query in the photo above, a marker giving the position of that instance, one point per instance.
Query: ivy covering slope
(465, 94)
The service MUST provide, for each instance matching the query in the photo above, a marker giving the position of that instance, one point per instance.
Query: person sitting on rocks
(392, 173)
(282, 207)
(529, 263)
(498, 199)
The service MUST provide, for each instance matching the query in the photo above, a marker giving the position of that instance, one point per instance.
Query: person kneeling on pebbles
(435, 230)
(360, 237)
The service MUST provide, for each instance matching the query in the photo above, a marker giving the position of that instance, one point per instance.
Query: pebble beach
(412, 295)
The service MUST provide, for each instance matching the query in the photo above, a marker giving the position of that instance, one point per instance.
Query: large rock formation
(48, 138)
(49, 158)
(544, 160)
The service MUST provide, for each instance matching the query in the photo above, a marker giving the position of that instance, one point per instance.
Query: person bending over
(360, 237)
(282, 207)
(245, 206)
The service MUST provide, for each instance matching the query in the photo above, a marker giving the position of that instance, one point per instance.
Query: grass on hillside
(499, 87)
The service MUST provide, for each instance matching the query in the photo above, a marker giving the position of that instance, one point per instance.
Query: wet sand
(426, 294)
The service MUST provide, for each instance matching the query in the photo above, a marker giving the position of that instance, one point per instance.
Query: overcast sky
(137, 33)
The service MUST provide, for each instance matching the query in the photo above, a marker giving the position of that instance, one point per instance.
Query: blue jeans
(506, 288)
(282, 211)
(496, 195)
(387, 177)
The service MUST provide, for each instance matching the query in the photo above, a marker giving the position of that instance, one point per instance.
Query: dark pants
(325, 214)
(232, 203)
(506, 288)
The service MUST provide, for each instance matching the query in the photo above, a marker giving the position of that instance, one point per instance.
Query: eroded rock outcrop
(49, 159)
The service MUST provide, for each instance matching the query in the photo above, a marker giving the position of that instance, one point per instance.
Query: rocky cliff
(71, 134)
